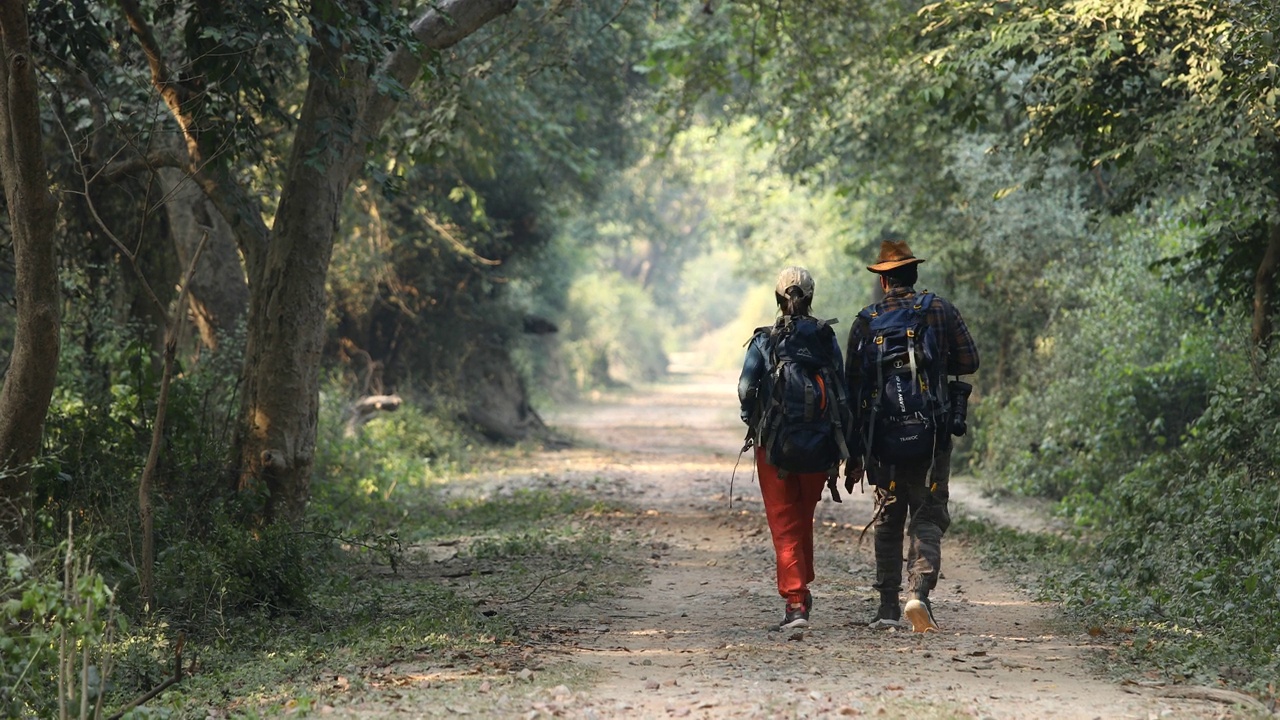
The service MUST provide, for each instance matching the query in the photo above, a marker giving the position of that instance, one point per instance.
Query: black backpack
(801, 426)
(902, 397)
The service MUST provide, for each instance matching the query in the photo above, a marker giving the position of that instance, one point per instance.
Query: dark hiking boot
(888, 616)
(920, 612)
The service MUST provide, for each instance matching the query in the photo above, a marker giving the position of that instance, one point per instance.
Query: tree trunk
(1263, 282)
(342, 113)
(28, 384)
(276, 434)
(499, 407)
(218, 296)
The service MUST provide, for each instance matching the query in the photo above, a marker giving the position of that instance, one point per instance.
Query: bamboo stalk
(108, 636)
(84, 656)
(64, 668)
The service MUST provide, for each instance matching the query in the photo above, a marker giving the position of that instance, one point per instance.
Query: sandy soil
(696, 638)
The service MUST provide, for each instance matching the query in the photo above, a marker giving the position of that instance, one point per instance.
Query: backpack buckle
(911, 332)
(879, 339)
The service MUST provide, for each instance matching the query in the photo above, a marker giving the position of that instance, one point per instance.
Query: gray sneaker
(796, 616)
(920, 612)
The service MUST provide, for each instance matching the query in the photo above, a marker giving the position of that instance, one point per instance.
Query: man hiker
(794, 403)
(900, 351)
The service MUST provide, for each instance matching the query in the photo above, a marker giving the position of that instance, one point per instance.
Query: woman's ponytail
(795, 302)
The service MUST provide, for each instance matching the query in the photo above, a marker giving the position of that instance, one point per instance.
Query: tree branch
(102, 225)
(1263, 282)
(152, 161)
(441, 25)
(175, 95)
(173, 322)
(242, 213)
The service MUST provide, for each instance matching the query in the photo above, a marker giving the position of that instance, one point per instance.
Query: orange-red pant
(789, 504)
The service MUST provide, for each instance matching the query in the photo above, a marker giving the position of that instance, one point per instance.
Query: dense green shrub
(1143, 415)
(1190, 556)
(362, 475)
(1110, 382)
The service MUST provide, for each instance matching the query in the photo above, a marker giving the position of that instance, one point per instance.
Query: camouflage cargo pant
(922, 497)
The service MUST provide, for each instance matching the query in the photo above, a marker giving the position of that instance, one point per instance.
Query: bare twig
(174, 323)
(168, 683)
(106, 663)
(150, 162)
(84, 656)
(543, 579)
(457, 244)
(102, 225)
(64, 662)
(615, 16)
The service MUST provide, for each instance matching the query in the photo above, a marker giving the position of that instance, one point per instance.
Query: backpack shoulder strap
(924, 301)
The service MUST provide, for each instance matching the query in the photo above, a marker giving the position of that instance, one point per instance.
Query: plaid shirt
(954, 341)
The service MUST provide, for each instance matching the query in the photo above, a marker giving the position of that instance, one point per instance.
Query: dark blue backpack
(902, 394)
(801, 427)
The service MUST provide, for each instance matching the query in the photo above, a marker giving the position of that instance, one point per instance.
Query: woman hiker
(792, 398)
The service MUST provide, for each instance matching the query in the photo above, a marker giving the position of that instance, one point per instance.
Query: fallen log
(362, 410)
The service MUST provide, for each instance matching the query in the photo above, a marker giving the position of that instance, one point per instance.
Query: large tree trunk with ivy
(28, 384)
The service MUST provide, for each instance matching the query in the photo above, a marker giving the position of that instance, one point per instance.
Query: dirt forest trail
(694, 639)
(685, 622)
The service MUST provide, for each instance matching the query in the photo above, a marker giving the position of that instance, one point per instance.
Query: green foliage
(1113, 380)
(229, 570)
(208, 566)
(613, 332)
(1144, 95)
(363, 476)
(1203, 531)
(1189, 553)
(1185, 80)
(453, 246)
(360, 613)
(46, 622)
(1142, 414)
(267, 666)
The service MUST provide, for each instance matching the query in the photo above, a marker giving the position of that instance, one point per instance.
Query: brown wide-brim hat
(893, 254)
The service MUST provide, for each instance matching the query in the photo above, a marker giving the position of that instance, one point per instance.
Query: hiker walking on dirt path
(794, 403)
(900, 352)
